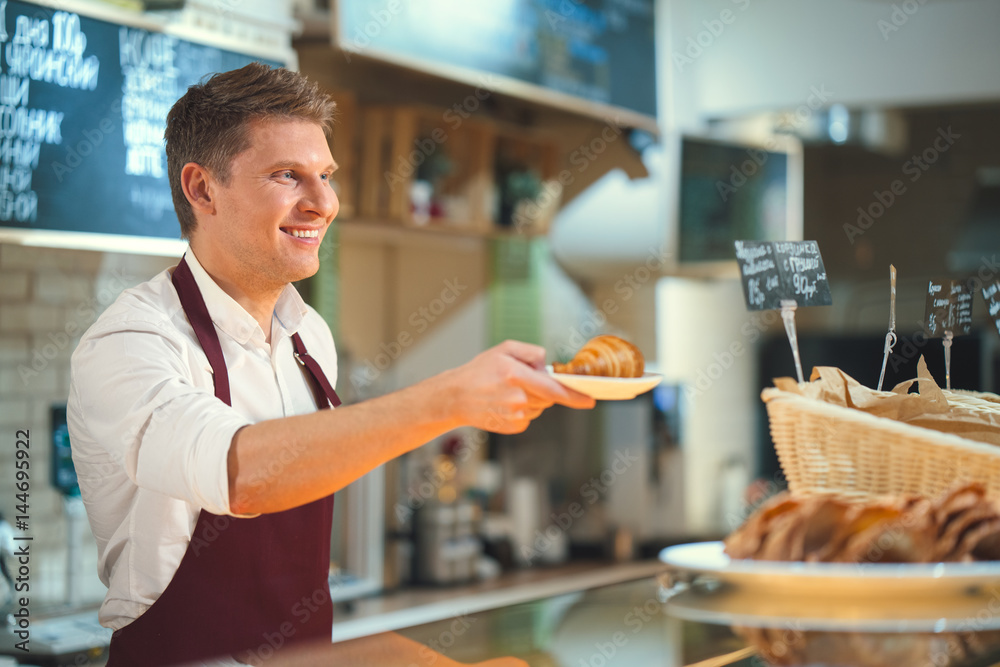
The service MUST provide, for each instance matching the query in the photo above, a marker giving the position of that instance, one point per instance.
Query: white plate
(835, 580)
(731, 605)
(607, 389)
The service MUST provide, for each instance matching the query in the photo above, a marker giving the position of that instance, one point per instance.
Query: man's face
(270, 218)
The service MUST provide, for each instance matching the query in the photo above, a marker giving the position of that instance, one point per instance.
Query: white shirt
(149, 438)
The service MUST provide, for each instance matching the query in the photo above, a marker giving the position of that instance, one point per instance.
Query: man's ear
(198, 184)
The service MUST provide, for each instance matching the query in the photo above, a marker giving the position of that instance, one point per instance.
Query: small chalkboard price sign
(963, 291)
(948, 308)
(948, 313)
(785, 275)
(991, 294)
(776, 271)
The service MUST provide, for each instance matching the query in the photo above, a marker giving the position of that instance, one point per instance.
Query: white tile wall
(48, 297)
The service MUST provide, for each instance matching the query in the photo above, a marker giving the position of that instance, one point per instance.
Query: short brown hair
(209, 124)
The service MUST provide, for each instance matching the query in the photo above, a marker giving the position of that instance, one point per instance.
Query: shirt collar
(232, 318)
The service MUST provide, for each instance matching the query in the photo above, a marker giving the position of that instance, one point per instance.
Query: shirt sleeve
(139, 401)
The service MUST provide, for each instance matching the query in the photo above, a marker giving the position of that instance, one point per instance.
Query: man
(205, 466)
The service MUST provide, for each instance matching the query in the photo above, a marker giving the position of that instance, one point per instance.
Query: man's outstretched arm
(278, 464)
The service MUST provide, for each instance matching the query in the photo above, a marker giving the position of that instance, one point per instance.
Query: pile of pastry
(963, 524)
(790, 647)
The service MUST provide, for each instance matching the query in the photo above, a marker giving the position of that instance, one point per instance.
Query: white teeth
(305, 234)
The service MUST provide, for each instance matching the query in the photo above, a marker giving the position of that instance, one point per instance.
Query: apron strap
(197, 313)
(322, 389)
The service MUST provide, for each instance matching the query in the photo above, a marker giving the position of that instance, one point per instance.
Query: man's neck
(260, 304)
(258, 300)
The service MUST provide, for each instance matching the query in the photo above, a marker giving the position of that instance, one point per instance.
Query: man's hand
(504, 388)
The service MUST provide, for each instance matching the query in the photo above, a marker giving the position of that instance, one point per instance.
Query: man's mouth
(301, 233)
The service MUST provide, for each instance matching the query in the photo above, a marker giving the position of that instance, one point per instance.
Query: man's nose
(320, 199)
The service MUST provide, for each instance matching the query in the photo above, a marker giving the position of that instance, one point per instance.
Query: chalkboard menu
(772, 272)
(83, 106)
(948, 307)
(598, 50)
(991, 293)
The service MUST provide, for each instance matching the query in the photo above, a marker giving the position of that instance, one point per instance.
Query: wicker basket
(825, 448)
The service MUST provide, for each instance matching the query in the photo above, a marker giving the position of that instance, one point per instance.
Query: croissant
(607, 356)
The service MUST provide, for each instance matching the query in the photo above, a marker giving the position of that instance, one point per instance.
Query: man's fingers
(541, 385)
(532, 355)
(574, 399)
(532, 377)
(544, 388)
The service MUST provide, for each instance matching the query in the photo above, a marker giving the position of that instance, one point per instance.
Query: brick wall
(48, 298)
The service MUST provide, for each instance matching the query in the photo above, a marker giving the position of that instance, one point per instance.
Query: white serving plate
(607, 389)
(730, 605)
(854, 581)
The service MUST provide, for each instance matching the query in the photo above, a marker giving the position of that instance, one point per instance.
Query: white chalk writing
(48, 53)
(150, 88)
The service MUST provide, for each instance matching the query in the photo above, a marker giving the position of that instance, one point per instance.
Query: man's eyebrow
(333, 166)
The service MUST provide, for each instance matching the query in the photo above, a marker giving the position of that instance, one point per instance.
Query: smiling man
(199, 408)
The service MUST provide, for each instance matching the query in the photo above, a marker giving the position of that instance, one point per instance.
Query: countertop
(645, 622)
(412, 606)
(635, 615)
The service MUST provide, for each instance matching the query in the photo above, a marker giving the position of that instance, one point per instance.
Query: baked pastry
(606, 356)
(963, 525)
(792, 646)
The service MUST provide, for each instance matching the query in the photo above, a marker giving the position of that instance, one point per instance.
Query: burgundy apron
(245, 587)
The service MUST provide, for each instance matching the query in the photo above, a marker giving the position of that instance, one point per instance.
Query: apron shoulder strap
(197, 313)
(322, 389)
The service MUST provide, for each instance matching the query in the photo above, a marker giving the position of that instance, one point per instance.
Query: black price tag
(773, 271)
(991, 293)
(963, 291)
(761, 278)
(948, 307)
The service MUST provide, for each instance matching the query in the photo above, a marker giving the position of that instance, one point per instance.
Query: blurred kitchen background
(474, 210)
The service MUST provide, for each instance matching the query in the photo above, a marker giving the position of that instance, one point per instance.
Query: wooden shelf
(585, 147)
(387, 230)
